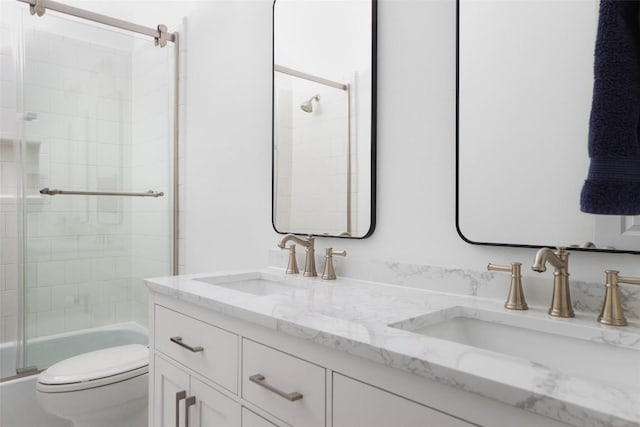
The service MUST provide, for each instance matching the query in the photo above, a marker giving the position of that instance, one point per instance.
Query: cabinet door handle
(260, 380)
(178, 340)
(187, 403)
(179, 396)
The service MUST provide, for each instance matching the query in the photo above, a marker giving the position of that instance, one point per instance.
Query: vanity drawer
(249, 419)
(289, 388)
(210, 351)
(356, 404)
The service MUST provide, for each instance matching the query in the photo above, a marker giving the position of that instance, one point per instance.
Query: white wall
(227, 175)
(149, 13)
(228, 128)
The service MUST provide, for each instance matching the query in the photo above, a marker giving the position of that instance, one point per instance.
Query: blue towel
(613, 183)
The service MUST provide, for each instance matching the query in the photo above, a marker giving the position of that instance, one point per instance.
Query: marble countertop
(353, 316)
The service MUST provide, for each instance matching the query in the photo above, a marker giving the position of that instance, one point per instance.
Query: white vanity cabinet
(184, 349)
(250, 419)
(181, 400)
(171, 384)
(288, 387)
(249, 374)
(356, 404)
(200, 346)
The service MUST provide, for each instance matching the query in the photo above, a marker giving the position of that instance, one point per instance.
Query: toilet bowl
(104, 388)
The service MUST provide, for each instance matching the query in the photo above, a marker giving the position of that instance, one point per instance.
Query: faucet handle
(612, 313)
(515, 299)
(292, 266)
(329, 272)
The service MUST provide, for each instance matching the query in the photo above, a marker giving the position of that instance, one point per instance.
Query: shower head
(307, 106)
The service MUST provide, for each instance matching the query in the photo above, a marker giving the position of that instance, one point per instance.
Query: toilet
(104, 388)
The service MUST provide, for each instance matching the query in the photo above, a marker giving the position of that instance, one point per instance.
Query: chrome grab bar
(52, 192)
(178, 340)
(179, 396)
(260, 380)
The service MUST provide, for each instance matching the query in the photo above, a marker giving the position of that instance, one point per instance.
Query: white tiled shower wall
(84, 255)
(8, 184)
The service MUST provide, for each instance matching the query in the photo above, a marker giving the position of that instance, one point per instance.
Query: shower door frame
(161, 36)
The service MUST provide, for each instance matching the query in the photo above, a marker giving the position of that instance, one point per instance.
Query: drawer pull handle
(260, 380)
(178, 340)
(187, 403)
(179, 396)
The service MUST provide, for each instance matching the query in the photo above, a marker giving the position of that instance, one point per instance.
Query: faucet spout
(291, 237)
(545, 255)
(310, 257)
(561, 300)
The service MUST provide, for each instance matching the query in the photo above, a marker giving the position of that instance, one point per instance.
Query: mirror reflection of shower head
(307, 106)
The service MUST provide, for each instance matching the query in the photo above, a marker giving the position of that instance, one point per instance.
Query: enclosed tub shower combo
(87, 199)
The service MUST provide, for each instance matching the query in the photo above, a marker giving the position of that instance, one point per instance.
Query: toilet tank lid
(96, 364)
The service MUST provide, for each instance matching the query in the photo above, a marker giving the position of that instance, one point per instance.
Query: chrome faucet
(310, 258)
(561, 300)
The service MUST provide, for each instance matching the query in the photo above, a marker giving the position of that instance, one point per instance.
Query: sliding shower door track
(22, 373)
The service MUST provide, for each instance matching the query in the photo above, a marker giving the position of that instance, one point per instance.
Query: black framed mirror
(324, 117)
(525, 75)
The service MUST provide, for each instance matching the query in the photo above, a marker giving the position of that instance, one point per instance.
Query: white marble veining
(585, 296)
(355, 317)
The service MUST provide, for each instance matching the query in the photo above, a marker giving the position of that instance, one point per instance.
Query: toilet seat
(95, 369)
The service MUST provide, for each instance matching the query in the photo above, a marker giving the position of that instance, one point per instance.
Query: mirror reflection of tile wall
(312, 173)
(322, 159)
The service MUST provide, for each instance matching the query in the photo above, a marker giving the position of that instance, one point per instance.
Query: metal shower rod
(52, 192)
(160, 34)
(310, 77)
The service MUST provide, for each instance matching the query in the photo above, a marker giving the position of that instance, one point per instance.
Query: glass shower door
(98, 118)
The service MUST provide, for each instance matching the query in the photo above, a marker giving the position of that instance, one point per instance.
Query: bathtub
(18, 403)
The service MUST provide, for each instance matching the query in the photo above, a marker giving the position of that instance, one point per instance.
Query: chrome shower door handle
(178, 340)
(179, 396)
(187, 404)
(260, 380)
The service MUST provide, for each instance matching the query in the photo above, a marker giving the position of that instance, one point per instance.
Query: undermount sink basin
(253, 283)
(556, 344)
